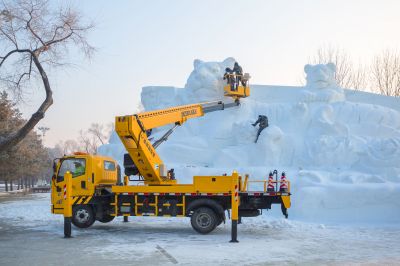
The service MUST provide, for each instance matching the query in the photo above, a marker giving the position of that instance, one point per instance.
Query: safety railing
(244, 185)
(235, 79)
(245, 75)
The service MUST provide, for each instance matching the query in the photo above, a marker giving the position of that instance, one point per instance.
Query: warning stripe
(87, 200)
(81, 200)
(75, 201)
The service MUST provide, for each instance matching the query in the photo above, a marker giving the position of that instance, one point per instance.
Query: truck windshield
(76, 166)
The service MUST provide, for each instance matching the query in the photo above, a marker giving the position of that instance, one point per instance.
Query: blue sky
(142, 43)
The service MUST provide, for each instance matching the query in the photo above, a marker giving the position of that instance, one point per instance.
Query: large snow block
(159, 97)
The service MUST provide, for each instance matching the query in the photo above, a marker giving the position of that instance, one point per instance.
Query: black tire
(106, 218)
(204, 220)
(83, 216)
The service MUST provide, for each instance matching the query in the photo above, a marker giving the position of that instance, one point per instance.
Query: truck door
(56, 190)
(78, 167)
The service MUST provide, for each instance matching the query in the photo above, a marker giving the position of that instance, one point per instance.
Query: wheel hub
(82, 216)
(203, 220)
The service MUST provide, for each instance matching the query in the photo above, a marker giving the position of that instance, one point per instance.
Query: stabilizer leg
(67, 227)
(234, 232)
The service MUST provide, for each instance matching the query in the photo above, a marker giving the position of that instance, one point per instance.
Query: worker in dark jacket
(263, 121)
(229, 78)
(237, 69)
(171, 174)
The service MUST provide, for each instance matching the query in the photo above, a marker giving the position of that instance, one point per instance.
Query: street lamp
(43, 130)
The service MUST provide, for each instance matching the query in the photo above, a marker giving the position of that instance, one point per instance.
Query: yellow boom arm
(132, 130)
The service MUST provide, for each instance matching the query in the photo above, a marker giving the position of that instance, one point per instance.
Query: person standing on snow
(263, 121)
(237, 69)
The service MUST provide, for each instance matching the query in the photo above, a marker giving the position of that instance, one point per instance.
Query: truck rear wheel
(82, 216)
(105, 218)
(204, 220)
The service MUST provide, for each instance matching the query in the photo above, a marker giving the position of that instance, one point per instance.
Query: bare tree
(344, 67)
(34, 38)
(347, 75)
(359, 79)
(98, 131)
(110, 127)
(386, 73)
(88, 143)
(95, 136)
(67, 147)
(88, 140)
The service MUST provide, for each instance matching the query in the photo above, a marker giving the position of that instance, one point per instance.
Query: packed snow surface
(31, 235)
(339, 148)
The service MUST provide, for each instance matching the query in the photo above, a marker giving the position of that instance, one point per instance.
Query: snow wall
(339, 148)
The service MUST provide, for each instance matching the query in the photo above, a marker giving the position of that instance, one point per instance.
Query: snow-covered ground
(30, 234)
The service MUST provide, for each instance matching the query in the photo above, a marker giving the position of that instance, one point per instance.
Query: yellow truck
(86, 188)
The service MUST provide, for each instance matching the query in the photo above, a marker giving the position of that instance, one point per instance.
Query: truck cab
(91, 175)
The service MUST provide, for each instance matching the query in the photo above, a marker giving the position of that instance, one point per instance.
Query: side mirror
(54, 167)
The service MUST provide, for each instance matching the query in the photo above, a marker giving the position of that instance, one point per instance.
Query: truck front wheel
(82, 216)
(204, 220)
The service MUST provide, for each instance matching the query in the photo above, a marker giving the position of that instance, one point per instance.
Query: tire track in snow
(166, 254)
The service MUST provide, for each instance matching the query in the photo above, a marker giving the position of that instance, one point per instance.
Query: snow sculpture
(332, 149)
(113, 148)
(158, 97)
(205, 83)
(321, 84)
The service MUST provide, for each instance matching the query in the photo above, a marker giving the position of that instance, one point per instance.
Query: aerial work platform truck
(86, 187)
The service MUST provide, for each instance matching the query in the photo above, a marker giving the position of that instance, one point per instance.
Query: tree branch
(38, 31)
(13, 139)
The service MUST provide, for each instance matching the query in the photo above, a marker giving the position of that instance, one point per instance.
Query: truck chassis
(206, 210)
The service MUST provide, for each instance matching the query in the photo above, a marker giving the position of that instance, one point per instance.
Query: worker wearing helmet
(263, 121)
(230, 79)
(237, 69)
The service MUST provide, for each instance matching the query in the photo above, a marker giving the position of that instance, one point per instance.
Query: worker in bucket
(245, 79)
(237, 69)
(263, 121)
(229, 78)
